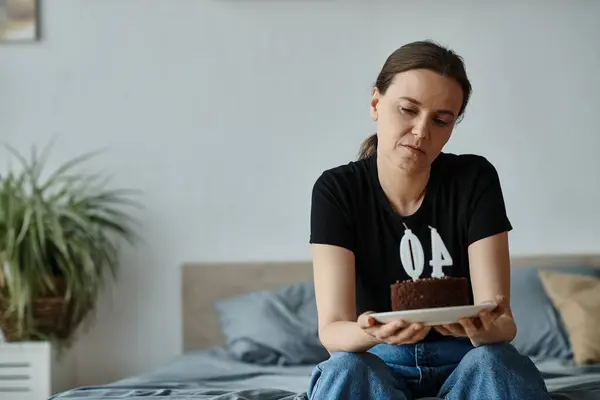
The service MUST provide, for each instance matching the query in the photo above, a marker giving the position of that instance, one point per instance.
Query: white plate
(434, 316)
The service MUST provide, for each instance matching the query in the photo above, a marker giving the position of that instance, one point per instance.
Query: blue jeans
(450, 368)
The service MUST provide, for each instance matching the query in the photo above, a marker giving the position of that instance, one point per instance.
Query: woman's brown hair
(419, 55)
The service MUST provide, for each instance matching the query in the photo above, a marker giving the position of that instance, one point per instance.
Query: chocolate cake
(430, 293)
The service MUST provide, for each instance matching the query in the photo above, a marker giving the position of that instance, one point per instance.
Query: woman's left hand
(476, 328)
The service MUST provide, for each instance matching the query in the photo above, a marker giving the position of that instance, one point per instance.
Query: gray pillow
(269, 327)
(540, 331)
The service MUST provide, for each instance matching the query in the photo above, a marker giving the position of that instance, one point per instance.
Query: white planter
(32, 371)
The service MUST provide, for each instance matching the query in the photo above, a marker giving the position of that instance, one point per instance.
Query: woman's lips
(413, 148)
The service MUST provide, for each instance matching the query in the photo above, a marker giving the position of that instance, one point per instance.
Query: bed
(249, 332)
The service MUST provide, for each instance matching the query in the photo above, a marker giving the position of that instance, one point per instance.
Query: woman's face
(415, 118)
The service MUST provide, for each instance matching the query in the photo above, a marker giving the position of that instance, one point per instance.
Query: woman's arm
(489, 261)
(334, 274)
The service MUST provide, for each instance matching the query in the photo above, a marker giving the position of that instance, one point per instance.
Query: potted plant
(59, 240)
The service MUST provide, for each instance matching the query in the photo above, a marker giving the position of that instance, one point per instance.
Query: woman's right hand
(395, 332)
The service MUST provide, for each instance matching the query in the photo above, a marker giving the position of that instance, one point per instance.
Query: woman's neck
(405, 191)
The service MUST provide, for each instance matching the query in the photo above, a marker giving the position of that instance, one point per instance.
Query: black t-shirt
(463, 203)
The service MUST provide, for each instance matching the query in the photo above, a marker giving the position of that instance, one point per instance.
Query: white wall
(224, 112)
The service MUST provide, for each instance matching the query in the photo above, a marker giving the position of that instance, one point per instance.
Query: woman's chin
(411, 162)
(411, 166)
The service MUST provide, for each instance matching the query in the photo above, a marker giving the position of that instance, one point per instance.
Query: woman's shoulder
(344, 185)
(460, 161)
(464, 168)
(337, 198)
(345, 175)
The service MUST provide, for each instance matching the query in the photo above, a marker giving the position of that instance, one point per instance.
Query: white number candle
(412, 262)
(440, 256)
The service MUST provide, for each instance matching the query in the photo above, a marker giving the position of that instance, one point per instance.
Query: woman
(360, 212)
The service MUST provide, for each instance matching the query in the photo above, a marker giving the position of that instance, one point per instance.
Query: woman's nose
(421, 128)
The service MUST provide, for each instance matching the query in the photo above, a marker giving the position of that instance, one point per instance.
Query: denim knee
(500, 359)
(354, 375)
(498, 370)
(336, 374)
(349, 363)
(491, 354)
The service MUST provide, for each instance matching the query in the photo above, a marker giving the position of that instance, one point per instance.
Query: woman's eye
(408, 110)
(441, 122)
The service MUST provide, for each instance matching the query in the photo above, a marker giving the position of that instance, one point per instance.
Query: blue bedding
(213, 375)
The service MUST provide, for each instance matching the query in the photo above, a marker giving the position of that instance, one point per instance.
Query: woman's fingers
(395, 332)
(390, 329)
(469, 327)
(366, 321)
(443, 330)
(418, 335)
(455, 329)
(411, 334)
(500, 308)
(486, 320)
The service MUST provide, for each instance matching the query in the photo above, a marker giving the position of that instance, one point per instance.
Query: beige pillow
(577, 299)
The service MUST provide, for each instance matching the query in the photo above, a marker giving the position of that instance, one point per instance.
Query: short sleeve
(330, 218)
(487, 212)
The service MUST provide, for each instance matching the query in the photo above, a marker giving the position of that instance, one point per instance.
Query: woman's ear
(374, 104)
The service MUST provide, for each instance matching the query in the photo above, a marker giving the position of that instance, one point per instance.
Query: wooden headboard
(203, 283)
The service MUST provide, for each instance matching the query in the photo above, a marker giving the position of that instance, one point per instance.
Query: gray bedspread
(207, 374)
(211, 374)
